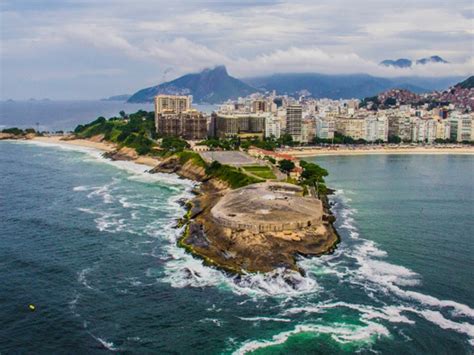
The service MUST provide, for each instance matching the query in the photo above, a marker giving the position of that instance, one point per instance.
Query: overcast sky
(79, 49)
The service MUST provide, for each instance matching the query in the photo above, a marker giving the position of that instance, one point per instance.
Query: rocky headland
(248, 248)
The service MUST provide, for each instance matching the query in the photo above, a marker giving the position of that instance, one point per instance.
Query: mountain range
(216, 85)
(209, 86)
(407, 63)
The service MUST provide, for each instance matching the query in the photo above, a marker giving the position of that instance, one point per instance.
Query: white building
(461, 127)
(325, 128)
(376, 129)
(272, 126)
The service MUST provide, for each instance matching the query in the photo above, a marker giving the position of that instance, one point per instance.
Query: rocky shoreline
(234, 251)
(242, 251)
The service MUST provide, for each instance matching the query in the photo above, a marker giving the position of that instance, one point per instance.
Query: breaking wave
(339, 332)
(357, 262)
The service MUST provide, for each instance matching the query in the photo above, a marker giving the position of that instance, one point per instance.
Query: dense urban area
(394, 116)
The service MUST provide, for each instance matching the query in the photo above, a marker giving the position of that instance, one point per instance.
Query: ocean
(92, 244)
(66, 115)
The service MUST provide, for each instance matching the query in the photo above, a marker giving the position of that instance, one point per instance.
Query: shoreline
(231, 251)
(250, 255)
(106, 147)
(303, 152)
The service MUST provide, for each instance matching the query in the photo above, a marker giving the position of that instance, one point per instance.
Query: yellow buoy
(32, 307)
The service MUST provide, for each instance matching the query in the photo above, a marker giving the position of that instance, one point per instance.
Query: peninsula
(237, 221)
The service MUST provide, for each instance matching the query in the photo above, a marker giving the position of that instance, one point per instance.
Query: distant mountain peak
(212, 85)
(407, 63)
(399, 63)
(220, 69)
(432, 59)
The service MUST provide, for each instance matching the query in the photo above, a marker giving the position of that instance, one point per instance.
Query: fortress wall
(269, 227)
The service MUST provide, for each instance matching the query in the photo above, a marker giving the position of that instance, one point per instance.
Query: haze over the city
(89, 49)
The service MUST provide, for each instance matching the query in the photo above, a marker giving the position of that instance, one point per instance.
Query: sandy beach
(310, 152)
(103, 146)
(302, 152)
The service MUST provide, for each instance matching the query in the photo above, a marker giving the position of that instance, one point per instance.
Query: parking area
(233, 158)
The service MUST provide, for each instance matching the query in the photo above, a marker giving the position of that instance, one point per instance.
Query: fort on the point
(268, 207)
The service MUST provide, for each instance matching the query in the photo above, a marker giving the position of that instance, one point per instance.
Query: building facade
(351, 127)
(189, 125)
(231, 125)
(172, 104)
(325, 128)
(294, 118)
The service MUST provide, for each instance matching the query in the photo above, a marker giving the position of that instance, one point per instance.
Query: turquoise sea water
(91, 243)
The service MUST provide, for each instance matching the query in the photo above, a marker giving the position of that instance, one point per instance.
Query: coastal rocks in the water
(26, 136)
(265, 241)
(123, 153)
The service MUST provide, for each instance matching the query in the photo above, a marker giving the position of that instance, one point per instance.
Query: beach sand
(379, 151)
(103, 146)
(304, 152)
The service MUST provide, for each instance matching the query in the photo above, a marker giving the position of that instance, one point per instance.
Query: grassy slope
(263, 172)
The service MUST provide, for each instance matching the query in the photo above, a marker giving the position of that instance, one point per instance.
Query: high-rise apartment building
(325, 128)
(260, 106)
(376, 128)
(243, 124)
(294, 118)
(172, 104)
(461, 128)
(189, 125)
(351, 127)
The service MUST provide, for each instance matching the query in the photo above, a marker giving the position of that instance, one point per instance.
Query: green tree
(286, 166)
(286, 139)
(394, 139)
(313, 175)
(174, 144)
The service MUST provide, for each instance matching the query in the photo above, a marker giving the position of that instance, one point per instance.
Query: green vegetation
(339, 139)
(224, 144)
(261, 171)
(173, 144)
(20, 132)
(234, 143)
(394, 139)
(390, 101)
(188, 155)
(372, 102)
(136, 130)
(286, 166)
(233, 176)
(467, 84)
(313, 175)
(16, 131)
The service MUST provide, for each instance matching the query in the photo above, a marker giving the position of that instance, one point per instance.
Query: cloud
(136, 44)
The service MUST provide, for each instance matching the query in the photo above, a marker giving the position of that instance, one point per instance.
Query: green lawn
(261, 171)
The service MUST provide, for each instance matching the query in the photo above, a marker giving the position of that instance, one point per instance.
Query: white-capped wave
(379, 276)
(392, 314)
(438, 319)
(340, 332)
(265, 319)
(106, 344)
(82, 277)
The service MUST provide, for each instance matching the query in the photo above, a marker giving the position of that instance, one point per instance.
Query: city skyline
(83, 49)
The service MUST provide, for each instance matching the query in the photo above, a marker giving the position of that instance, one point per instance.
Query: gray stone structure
(268, 207)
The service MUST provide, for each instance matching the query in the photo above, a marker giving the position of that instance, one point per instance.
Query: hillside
(346, 86)
(209, 86)
(466, 84)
